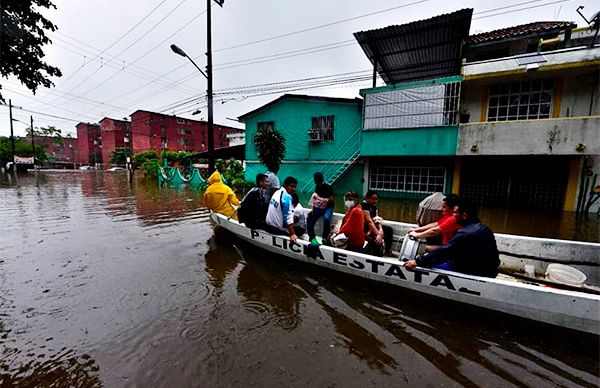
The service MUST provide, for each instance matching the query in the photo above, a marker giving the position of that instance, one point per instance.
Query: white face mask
(349, 204)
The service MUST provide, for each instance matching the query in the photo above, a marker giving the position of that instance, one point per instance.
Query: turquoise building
(321, 134)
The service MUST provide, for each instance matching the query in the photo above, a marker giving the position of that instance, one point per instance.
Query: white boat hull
(570, 309)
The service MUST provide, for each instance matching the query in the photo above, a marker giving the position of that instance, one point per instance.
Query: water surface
(106, 283)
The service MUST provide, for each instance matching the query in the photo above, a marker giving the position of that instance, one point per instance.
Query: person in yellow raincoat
(219, 197)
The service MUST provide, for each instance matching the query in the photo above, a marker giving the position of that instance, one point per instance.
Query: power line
(112, 44)
(321, 26)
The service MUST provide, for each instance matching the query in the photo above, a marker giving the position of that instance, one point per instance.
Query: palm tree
(270, 145)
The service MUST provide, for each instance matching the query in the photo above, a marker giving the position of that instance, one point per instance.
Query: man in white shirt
(280, 216)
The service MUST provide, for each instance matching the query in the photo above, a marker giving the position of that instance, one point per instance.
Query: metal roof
(419, 50)
(520, 30)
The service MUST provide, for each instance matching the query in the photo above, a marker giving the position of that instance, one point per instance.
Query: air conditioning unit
(314, 135)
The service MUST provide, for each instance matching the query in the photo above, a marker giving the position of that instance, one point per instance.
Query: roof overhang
(419, 50)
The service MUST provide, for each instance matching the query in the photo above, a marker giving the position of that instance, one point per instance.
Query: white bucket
(565, 274)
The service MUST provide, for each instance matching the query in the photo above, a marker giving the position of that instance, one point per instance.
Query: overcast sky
(115, 55)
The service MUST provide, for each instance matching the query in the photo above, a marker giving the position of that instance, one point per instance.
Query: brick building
(114, 135)
(89, 143)
(63, 150)
(150, 129)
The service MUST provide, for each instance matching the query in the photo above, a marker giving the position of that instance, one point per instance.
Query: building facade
(516, 125)
(321, 134)
(114, 134)
(155, 131)
(89, 143)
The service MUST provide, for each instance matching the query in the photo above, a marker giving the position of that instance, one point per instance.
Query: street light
(208, 76)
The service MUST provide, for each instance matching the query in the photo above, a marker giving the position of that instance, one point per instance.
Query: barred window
(521, 100)
(408, 179)
(186, 142)
(324, 124)
(184, 131)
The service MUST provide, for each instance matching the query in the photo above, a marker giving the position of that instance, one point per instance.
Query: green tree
(119, 156)
(22, 148)
(22, 35)
(270, 145)
(147, 161)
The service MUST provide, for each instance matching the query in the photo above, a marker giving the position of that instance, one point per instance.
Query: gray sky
(112, 69)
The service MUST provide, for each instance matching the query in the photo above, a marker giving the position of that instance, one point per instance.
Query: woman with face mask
(353, 223)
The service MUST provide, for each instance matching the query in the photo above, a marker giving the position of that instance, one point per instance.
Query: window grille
(324, 125)
(420, 107)
(525, 100)
(408, 179)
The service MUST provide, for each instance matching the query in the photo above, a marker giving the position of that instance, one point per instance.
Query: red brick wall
(86, 134)
(181, 134)
(113, 134)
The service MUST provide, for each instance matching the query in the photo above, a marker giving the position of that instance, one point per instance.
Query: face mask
(349, 204)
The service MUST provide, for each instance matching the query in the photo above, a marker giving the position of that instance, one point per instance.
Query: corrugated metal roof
(423, 49)
(520, 30)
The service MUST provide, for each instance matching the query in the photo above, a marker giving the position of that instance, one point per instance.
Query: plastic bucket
(565, 274)
(409, 248)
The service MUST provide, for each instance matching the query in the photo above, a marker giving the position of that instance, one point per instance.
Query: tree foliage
(22, 35)
(119, 156)
(22, 148)
(270, 145)
(49, 131)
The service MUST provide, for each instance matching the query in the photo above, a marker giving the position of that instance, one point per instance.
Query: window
(181, 120)
(521, 100)
(184, 131)
(265, 125)
(419, 107)
(324, 125)
(408, 179)
(186, 142)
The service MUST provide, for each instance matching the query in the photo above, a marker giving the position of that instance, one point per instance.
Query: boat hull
(568, 309)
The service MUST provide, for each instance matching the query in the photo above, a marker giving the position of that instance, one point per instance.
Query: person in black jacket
(253, 208)
(471, 251)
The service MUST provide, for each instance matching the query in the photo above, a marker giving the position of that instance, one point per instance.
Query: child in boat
(472, 250)
(280, 215)
(299, 215)
(253, 209)
(446, 227)
(219, 197)
(353, 223)
(322, 206)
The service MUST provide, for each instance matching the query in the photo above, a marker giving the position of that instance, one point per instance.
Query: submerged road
(103, 283)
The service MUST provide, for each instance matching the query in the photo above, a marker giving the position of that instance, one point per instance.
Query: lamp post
(208, 76)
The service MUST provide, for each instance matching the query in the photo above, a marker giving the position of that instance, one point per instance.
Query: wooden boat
(569, 308)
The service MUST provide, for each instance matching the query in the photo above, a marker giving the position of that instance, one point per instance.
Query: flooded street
(107, 283)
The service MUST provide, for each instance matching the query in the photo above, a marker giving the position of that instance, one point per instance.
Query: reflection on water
(108, 283)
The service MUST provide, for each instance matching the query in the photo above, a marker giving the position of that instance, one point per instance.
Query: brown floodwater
(107, 283)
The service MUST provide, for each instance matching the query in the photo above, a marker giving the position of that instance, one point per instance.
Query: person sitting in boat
(353, 223)
(471, 251)
(253, 209)
(280, 215)
(299, 215)
(446, 227)
(377, 234)
(272, 181)
(322, 206)
(219, 197)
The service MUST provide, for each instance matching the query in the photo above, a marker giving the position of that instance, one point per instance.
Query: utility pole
(12, 136)
(32, 141)
(209, 92)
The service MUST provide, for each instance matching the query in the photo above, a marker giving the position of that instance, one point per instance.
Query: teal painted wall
(293, 117)
(351, 180)
(407, 142)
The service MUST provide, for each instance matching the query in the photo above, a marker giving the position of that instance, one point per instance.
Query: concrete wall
(531, 137)
(405, 142)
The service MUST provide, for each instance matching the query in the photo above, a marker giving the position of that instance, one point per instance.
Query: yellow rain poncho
(219, 197)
